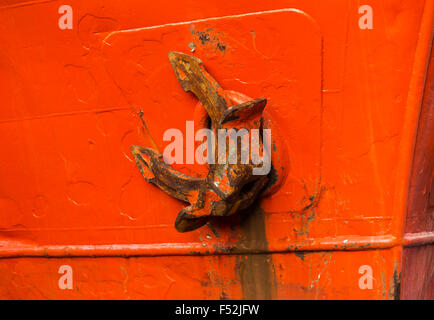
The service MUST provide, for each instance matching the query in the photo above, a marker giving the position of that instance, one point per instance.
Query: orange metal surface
(344, 101)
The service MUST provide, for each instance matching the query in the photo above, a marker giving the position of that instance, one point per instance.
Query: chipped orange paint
(344, 101)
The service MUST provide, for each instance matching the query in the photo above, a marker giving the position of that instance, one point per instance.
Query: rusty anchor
(228, 187)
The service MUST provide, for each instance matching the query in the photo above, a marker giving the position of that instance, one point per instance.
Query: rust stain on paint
(256, 271)
(209, 39)
(308, 213)
(395, 284)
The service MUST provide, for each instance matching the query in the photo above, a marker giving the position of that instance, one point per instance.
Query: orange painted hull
(352, 107)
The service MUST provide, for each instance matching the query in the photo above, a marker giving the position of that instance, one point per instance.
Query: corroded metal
(229, 186)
